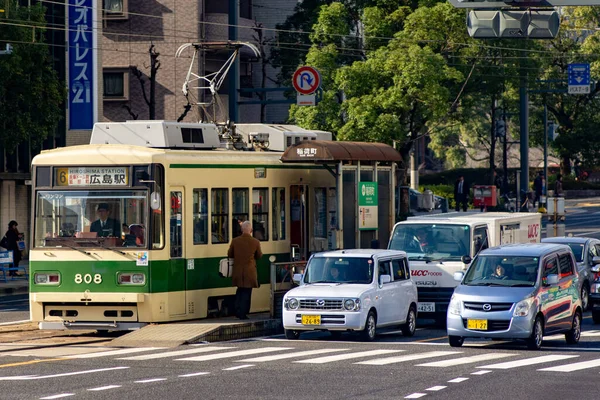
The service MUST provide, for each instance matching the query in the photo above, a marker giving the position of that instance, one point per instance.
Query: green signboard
(367, 205)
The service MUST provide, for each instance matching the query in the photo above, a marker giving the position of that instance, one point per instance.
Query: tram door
(177, 267)
(299, 221)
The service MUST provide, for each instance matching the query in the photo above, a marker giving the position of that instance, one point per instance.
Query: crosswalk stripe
(466, 360)
(114, 352)
(340, 357)
(410, 357)
(291, 355)
(527, 361)
(233, 354)
(562, 336)
(573, 366)
(175, 353)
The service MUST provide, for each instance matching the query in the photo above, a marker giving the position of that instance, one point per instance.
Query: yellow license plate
(311, 320)
(477, 324)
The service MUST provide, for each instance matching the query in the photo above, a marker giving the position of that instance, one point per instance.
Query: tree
(149, 98)
(30, 91)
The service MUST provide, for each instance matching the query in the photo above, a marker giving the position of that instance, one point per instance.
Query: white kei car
(352, 290)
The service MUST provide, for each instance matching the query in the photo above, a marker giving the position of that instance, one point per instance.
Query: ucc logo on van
(423, 272)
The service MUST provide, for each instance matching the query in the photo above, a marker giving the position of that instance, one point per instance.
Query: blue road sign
(579, 78)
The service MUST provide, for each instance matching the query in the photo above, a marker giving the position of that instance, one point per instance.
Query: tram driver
(105, 226)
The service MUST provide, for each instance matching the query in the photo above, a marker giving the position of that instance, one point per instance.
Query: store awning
(327, 152)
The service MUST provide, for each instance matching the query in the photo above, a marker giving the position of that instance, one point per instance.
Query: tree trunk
(565, 165)
(493, 142)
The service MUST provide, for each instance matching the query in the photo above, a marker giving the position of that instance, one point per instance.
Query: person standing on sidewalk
(558, 190)
(245, 251)
(461, 193)
(11, 241)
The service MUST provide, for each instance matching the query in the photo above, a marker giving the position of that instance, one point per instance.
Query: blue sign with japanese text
(579, 74)
(81, 65)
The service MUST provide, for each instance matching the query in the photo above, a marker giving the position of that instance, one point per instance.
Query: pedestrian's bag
(226, 267)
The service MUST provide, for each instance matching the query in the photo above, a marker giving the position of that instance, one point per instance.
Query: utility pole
(234, 74)
(505, 155)
(524, 122)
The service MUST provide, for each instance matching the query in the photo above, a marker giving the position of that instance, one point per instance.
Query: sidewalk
(20, 285)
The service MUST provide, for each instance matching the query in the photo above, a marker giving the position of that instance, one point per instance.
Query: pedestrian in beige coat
(244, 250)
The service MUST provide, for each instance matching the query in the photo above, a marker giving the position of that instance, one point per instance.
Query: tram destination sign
(92, 176)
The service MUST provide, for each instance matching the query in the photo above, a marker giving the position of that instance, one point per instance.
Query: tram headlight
(291, 303)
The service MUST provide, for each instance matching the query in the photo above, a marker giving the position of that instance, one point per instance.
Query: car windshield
(339, 270)
(512, 271)
(432, 242)
(91, 219)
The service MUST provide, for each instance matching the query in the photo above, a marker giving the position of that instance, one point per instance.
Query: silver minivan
(520, 291)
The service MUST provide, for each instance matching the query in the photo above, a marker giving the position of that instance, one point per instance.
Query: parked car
(520, 291)
(585, 250)
(352, 290)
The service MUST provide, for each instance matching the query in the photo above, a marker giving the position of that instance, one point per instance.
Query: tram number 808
(88, 278)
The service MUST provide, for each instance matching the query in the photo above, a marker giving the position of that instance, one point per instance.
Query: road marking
(574, 366)
(31, 362)
(323, 360)
(458, 380)
(229, 354)
(194, 374)
(480, 372)
(104, 388)
(466, 360)
(151, 380)
(431, 339)
(410, 357)
(583, 334)
(175, 353)
(14, 322)
(57, 396)
(291, 355)
(32, 377)
(415, 395)
(114, 352)
(436, 388)
(238, 367)
(527, 361)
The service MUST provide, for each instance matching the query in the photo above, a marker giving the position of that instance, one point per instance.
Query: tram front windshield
(91, 219)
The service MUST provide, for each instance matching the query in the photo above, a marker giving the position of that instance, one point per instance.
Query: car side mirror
(384, 279)
(551, 279)
(596, 260)
(466, 259)
(297, 278)
(458, 276)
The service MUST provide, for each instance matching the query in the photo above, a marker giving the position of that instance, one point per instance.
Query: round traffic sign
(306, 80)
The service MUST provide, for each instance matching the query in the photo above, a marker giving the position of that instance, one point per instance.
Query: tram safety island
(438, 246)
(352, 290)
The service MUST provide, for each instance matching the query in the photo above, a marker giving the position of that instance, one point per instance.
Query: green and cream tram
(130, 229)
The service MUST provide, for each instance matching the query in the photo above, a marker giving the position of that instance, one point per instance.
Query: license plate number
(311, 320)
(477, 324)
(426, 307)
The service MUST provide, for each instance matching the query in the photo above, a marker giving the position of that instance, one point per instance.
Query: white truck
(441, 244)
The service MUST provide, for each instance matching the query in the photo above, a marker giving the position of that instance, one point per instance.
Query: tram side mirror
(155, 200)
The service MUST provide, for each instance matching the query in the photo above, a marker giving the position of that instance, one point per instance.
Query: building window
(116, 84)
(115, 9)
(246, 9)
(217, 7)
(260, 213)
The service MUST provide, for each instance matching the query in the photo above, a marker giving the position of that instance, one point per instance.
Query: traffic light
(515, 24)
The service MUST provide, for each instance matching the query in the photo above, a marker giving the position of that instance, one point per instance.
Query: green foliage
(30, 91)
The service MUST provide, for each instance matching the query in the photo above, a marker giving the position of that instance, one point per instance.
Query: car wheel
(409, 328)
(336, 335)
(572, 337)
(368, 334)
(537, 335)
(456, 341)
(291, 334)
(596, 316)
(585, 297)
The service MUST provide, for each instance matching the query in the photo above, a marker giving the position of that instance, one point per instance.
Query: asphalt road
(314, 367)
(14, 308)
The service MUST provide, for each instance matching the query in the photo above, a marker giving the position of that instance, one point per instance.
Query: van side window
(398, 269)
(384, 268)
(566, 265)
(406, 268)
(480, 238)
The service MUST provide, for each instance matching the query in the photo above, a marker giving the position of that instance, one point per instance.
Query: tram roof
(320, 151)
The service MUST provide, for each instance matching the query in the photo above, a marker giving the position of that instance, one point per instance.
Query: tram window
(260, 213)
(240, 210)
(219, 215)
(176, 221)
(200, 209)
(278, 213)
(158, 231)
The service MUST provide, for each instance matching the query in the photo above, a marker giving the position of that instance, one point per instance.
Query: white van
(352, 290)
(441, 244)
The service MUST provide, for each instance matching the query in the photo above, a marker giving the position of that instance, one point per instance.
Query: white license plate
(426, 307)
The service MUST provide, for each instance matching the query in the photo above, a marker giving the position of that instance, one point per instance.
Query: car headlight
(454, 306)
(291, 303)
(352, 304)
(522, 308)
